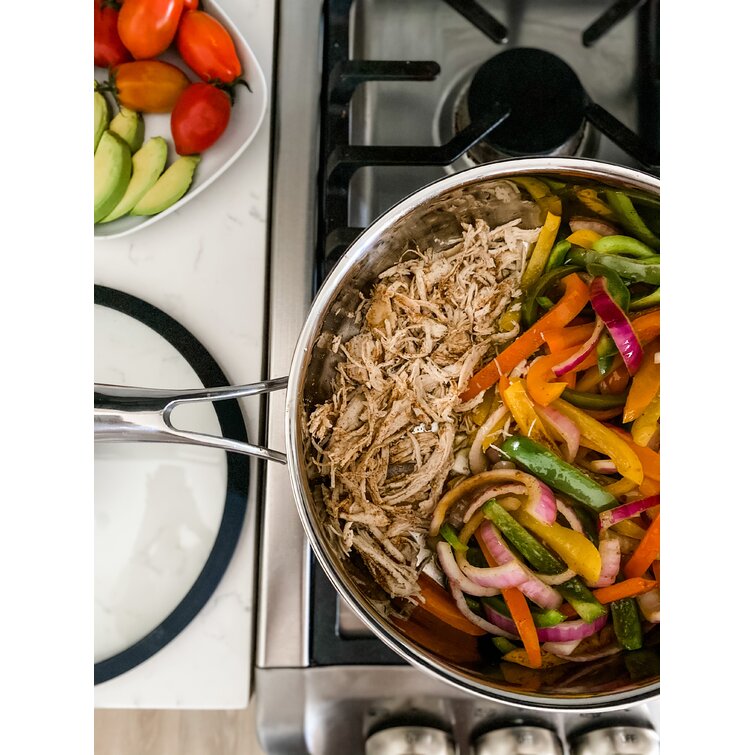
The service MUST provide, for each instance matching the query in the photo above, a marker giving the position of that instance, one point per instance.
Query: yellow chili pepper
(575, 549)
(584, 238)
(644, 427)
(542, 250)
(523, 411)
(599, 438)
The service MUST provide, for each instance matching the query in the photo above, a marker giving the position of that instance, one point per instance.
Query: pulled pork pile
(384, 444)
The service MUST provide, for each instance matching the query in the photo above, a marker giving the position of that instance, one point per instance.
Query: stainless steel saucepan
(434, 212)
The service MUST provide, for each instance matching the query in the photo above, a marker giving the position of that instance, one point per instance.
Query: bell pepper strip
(566, 309)
(632, 270)
(521, 616)
(561, 339)
(649, 486)
(645, 384)
(604, 441)
(603, 414)
(456, 647)
(542, 250)
(541, 382)
(523, 411)
(543, 618)
(625, 245)
(575, 549)
(605, 351)
(650, 460)
(448, 533)
(509, 320)
(557, 255)
(630, 219)
(656, 567)
(616, 381)
(626, 623)
(628, 528)
(544, 283)
(471, 527)
(586, 400)
(503, 384)
(646, 551)
(646, 425)
(620, 487)
(481, 412)
(503, 645)
(627, 588)
(441, 605)
(590, 199)
(541, 193)
(643, 302)
(557, 473)
(584, 238)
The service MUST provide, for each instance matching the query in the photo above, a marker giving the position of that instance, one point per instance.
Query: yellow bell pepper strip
(629, 528)
(471, 526)
(584, 238)
(541, 193)
(649, 486)
(645, 384)
(599, 438)
(564, 311)
(482, 410)
(575, 549)
(620, 487)
(542, 250)
(650, 460)
(589, 198)
(523, 411)
(540, 378)
(646, 552)
(645, 426)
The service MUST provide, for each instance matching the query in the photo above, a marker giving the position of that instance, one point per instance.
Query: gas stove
(374, 99)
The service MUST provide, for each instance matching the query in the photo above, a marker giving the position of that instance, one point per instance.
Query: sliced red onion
(534, 588)
(454, 574)
(611, 649)
(582, 353)
(617, 322)
(570, 516)
(542, 506)
(561, 649)
(579, 223)
(607, 519)
(650, 605)
(602, 466)
(610, 561)
(478, 621)
(562, 426)
(567, 631)
(497, 491)
(477, 459)
(512, 574)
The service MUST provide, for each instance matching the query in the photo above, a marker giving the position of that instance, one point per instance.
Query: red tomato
(147, 27)
(148, 86)
(207, 48)
(108, 48)
(199, 118)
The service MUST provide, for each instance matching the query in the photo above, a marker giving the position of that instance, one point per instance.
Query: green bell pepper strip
(557, 255)
(594, 400)
(628, 216)
(530, 304)
(557, 473)
(652, 299)
(588, 522)
(504, 645)
(606, 351)
(541, 559)
(634, 271)
(544, 302)
(624, 245)
(448, 533)
(616, 287)
(626, 623)
(474, 604)
(545, 618)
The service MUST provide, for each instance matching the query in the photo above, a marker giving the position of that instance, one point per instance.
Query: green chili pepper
(626, 623)
(625, 245)
(449, 535)
(594, 400)
(647, 270)
(557, 473)
(628, 216)
(650, 300)
(542, 618)
(557, 255)
(529, 306)
(504, 645)
(539, 557)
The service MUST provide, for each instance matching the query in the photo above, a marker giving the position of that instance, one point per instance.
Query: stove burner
(546, 98)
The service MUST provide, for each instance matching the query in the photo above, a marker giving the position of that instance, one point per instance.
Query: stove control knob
(617, 740)
(410, 740)
(519, 740)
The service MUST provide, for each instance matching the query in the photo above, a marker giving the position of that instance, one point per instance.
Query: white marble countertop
(205, 266)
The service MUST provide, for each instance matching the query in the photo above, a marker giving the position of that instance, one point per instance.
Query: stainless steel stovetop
(323, 684)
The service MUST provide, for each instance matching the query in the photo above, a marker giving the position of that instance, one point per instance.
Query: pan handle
(128, 414)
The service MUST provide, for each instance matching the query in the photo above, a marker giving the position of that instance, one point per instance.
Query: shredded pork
(383, 445)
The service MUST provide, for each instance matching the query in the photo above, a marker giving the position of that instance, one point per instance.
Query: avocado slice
(129, 125)
(112, 171)
(148, 164)
(170, 187)
(101, 116)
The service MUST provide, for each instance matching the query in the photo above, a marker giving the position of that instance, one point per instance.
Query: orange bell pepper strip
(646, 552)
(564, 311)
(626, 589)
(561, 339)
(542, 250)
(441, 605)
(645, 384)
(656, 567)
(615, 381)
(520, 614)
(540, 378)
(584, 238)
